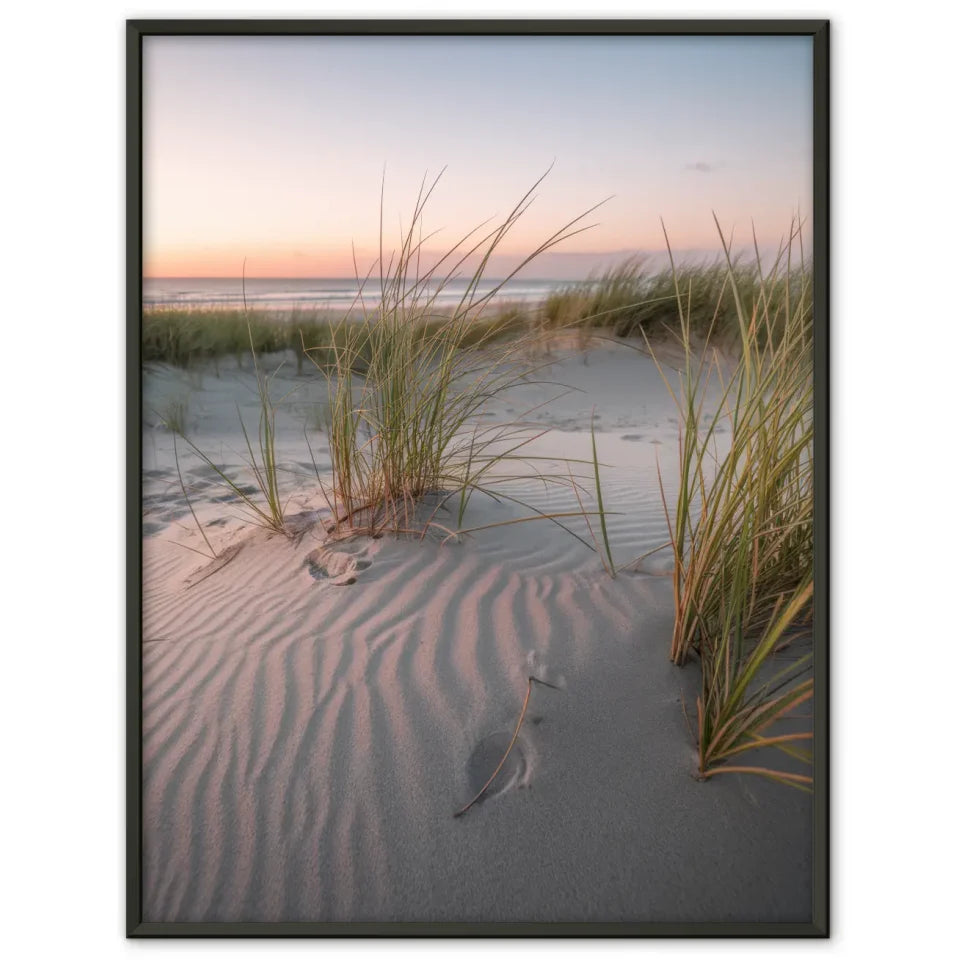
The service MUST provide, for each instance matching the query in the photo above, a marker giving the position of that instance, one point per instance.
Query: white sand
(307, 739)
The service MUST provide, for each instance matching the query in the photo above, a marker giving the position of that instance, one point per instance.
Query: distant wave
(279, 294)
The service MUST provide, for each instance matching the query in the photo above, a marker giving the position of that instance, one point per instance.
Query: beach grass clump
(629, 300)
(601, 301)
(407, 380)
(188, 336)
(742, 526)
(185, 336)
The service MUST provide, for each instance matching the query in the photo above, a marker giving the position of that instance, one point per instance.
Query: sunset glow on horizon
(272, 150)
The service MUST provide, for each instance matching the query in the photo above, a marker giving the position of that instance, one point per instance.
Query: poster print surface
(476, 480)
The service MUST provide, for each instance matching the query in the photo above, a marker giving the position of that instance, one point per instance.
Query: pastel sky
(273, 149)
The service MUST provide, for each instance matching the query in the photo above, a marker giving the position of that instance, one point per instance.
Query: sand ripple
(307, 739)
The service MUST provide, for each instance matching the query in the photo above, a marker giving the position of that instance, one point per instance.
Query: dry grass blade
(538, 515)
(186, 496)
(516, 733)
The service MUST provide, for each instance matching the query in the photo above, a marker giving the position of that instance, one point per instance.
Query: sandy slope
(314, 714)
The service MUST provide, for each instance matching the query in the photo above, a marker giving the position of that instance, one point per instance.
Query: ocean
(312, 293)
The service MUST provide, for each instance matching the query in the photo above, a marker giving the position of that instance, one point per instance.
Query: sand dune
(314, 713)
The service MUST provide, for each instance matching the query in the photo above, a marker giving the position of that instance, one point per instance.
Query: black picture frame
(819, 31)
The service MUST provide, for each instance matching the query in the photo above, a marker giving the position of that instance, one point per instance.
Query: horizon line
(319, 277)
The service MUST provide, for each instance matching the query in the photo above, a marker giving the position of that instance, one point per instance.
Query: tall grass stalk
(742, 526)
(264, 470)
(608, 562)
(268, 509)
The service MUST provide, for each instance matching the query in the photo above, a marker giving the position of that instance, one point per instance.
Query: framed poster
(477, 478)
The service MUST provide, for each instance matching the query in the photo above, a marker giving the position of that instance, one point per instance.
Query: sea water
(312, 293)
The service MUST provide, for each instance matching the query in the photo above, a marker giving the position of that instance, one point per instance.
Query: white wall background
(895, 346)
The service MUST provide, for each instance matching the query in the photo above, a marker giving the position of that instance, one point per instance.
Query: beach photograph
(477, 481)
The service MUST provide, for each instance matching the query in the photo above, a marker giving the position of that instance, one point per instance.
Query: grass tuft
(742, 526)
(174, 414)
(406, 381)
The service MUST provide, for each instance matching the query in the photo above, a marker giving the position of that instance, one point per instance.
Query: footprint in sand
(632, 436)
(650, 567)
(335, 566)
(303, 522)
(484, 759)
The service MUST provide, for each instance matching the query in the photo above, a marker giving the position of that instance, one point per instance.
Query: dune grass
(627, 300)
(190, 336)
(186, 336)
(630, 300)
(742, 526)
(407, 381)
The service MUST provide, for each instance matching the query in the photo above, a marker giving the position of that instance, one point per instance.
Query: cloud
(701, 166)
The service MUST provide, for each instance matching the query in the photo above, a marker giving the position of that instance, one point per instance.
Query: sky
(273, 150)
